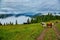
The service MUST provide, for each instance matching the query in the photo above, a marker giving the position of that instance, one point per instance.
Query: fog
(20, 20)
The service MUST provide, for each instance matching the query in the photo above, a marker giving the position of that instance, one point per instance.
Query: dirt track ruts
(41, 37)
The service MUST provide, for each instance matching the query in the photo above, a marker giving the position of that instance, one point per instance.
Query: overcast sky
(35, 6)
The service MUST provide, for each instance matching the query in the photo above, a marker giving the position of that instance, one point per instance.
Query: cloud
(30, 5)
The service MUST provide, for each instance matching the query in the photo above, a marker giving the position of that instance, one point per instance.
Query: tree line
(43, 18)
(9, 23)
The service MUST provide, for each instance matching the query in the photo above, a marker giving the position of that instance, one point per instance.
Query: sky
(24, 6)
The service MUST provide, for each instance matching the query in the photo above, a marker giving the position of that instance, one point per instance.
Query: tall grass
(58, 26)
(20, 32)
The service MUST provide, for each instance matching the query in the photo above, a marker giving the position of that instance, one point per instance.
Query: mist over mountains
(28, 7)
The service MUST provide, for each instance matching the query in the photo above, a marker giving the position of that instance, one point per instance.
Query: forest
(43, 18)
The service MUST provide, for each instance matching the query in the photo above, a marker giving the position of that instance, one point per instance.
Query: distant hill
(16, 15)
(25, 14)
(22, 14)
(6, 15)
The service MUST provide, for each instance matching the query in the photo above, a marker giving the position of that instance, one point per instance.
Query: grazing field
(20, 32)
(27, 32)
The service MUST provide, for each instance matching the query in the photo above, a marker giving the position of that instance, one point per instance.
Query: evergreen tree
(33, 20)
(11, 23)
(28, 21)
(16, 22)
(0, 23)
(4, 24)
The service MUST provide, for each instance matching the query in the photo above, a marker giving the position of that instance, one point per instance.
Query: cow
(47, 25)
(50, 25)
(24, 23)
(43, 24)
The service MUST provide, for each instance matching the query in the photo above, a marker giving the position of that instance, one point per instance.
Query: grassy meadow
(26, 32)
(20, 32)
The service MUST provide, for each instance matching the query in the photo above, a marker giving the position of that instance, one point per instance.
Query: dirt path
(42, 35)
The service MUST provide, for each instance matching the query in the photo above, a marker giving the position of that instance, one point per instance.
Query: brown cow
(49, 25)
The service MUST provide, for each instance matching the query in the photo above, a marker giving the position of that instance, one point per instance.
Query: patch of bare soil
(42, 35)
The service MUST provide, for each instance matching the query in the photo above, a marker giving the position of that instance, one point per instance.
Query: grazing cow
(56, 21)
(43, 24)
(24, 23)
(50, 25)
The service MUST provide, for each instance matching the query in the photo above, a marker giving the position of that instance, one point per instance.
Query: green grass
(20, 32)
(58, 26)
(50, 35)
